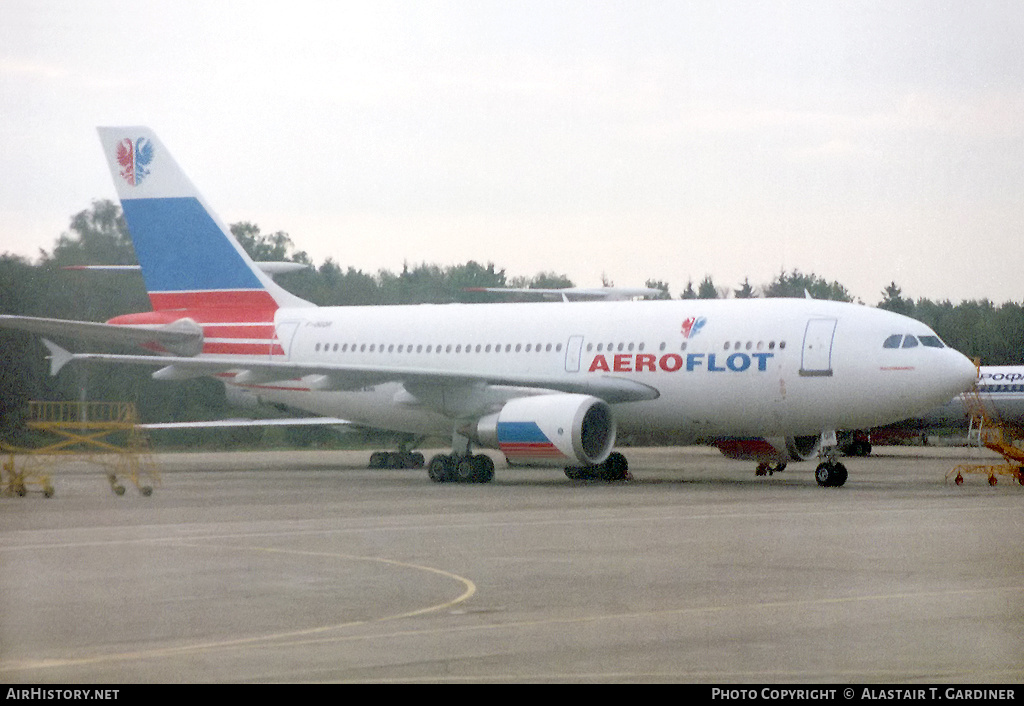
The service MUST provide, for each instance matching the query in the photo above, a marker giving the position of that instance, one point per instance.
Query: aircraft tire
(830, 475)
(466, 469)
(441, 468)
(576, 473)
(615, 468)
(484, 468)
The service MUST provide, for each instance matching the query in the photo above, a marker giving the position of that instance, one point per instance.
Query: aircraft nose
(962, 373)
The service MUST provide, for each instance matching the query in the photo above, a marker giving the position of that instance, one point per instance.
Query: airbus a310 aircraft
(547, 383)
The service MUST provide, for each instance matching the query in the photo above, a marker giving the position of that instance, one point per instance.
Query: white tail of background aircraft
(552, 383)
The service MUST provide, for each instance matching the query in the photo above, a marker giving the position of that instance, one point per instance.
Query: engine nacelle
(775, 449)
(551, 430)
(242, 397)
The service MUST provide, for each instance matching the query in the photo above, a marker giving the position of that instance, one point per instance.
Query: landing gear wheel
(615, 468)
(441, 468)
(467, 469)
(830, 475)
(484, 468)
(766, 468)
(396, 459)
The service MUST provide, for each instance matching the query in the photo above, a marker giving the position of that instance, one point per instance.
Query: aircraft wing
(335, 376)
(230, 423)
(183, 336)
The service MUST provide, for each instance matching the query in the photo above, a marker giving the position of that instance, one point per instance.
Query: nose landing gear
(830, 474)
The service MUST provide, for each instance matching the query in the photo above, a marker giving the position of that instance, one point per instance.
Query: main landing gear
(461, 465)
(615, 468)
(403, 458)
(397, 459)
(452, 468)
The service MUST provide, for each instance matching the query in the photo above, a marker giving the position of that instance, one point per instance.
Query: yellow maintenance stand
(989, 430)
(104, 433)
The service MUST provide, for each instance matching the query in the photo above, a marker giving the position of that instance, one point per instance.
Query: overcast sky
(865, 142)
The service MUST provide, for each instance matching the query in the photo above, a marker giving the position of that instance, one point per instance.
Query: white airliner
(547, 383)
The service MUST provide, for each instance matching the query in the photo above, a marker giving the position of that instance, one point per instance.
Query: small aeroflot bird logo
(692, 326)
(134, 158)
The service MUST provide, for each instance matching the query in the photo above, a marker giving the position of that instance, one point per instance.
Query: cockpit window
(898, 340)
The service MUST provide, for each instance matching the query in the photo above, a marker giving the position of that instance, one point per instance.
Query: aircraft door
(816, 360)
(285, 333)
(573, 353)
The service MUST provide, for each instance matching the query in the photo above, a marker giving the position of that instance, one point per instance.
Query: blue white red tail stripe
(189, 260)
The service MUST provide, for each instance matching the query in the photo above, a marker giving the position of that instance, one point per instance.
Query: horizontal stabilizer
(182, 337)
(58, 356)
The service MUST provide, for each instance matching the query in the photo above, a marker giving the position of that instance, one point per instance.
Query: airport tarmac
(307, 567)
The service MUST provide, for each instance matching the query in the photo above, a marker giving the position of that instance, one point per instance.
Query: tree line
(993, 333)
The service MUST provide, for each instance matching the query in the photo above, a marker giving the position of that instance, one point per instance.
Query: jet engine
(774, 449)
(551, 430)
(242, 397)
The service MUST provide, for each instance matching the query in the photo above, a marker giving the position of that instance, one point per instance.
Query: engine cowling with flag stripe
(551, 430)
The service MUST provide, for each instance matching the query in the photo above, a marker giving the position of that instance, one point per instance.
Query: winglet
(58, 356)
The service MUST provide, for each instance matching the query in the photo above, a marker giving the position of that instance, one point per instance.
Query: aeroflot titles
(673, 362)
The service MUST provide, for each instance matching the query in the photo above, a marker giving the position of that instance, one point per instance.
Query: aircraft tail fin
(189, 259)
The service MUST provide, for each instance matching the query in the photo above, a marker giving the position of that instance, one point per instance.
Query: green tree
(99, 236)
(892, 300)
(548, 280)
(96, 236)
(746, 291)
(267, 247)
(658, 284)
(473, 274)
(707, 289)
(330, 286)
(796, 284)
